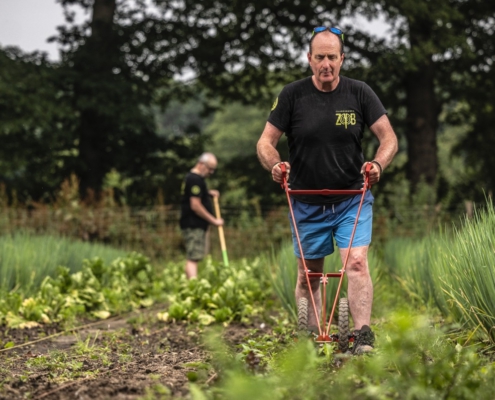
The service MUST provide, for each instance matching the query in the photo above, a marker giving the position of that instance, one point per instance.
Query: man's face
(209, 167)
(325, 59)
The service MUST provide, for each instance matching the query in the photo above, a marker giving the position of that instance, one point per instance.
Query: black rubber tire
(343, 324)
(302, 314)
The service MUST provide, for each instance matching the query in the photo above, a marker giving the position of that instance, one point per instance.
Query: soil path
(118, 359)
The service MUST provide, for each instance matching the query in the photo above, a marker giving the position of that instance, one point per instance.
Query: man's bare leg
(191, 269)
(302, 289)
(360, 287)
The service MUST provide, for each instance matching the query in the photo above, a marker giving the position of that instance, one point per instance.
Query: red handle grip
(283, 167)
(366, 174)
(367, 170)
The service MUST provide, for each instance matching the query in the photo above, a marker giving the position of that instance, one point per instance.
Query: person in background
(324, 117)
(197, 211)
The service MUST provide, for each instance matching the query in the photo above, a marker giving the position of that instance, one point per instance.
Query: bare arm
(201, 211)
(387, 149)
(267, 151)
(388, 141)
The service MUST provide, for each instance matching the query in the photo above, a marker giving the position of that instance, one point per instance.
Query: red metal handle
(367, 170)
(327, 192)
(283, 167)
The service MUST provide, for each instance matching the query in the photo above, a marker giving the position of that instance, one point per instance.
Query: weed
(412, 360)
(157, 391)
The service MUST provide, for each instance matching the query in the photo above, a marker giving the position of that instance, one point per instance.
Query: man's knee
(357, 266)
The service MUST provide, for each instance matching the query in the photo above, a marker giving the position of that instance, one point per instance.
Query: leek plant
(25, 259)
(410, 262)
(454, 271)
(466, 268)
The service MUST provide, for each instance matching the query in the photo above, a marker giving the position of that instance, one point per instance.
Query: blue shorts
(318, 225)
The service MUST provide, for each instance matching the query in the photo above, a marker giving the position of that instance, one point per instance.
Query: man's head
(206, 165)
(320, 29)
(325, 59)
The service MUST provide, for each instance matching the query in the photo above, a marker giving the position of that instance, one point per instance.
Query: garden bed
(119, 359)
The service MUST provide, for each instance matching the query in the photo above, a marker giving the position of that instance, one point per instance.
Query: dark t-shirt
(194, 185)
(324, 132)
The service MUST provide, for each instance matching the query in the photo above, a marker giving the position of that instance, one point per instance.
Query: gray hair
(206, 157)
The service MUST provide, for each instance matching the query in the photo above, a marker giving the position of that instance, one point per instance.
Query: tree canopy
(102, 107)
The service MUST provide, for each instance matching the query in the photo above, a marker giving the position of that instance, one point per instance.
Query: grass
(26, 259)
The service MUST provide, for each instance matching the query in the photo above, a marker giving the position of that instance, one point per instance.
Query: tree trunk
(94, 64)
(102, 22)
(422, 115)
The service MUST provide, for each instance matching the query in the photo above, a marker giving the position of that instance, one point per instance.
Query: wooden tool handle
(220, 233)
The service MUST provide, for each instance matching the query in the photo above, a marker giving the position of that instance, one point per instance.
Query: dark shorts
(195, 240)
(318, 226)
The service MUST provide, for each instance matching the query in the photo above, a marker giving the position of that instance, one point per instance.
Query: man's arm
(388, 141)
(267, 151)
(387, 149)
(202, 212)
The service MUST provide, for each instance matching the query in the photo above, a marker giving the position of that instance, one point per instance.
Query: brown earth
(116, 359)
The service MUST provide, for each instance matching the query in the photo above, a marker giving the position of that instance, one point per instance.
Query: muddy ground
(122, 358)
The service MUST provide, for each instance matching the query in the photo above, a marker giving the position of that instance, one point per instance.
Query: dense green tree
(37, 149)
(240, 49)
(477, 111)
(110, 95)
(93, 112)
(234, 132)
(113, 64)
(123, 62)
(424, 65)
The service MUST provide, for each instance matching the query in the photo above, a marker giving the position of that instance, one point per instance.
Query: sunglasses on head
(336, 31)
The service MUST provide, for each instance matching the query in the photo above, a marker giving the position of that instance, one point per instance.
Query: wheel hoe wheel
(302, 314)
(343, 322)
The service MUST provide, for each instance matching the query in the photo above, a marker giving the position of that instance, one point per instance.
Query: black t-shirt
(324, 132)
(194, 185)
